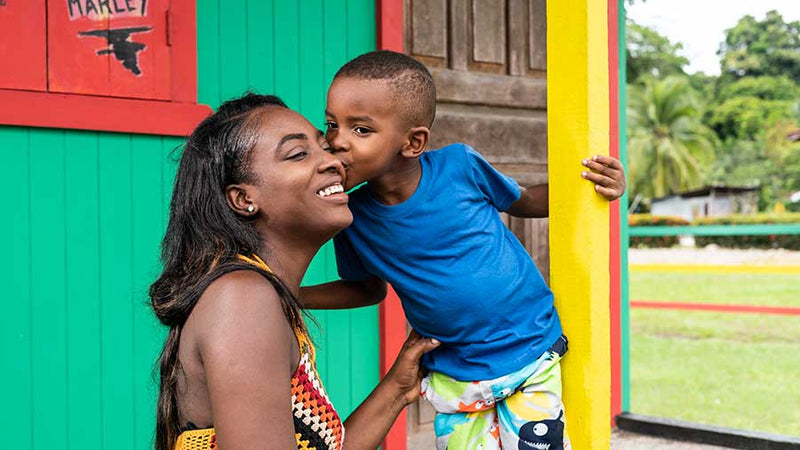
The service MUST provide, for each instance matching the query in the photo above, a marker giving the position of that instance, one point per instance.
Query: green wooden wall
(83, 217)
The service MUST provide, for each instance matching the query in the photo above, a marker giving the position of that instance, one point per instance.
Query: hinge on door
(167, 17)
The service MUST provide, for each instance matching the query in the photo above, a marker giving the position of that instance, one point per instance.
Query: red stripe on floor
(780, 310)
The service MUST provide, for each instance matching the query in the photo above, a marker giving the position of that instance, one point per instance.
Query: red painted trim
(84, 112)
(779, 310)
(390, 24)
(614, 225)
(183, 40)
(392, 320)
(393, 334)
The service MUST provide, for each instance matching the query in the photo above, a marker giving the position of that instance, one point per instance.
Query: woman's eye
(361, 131)
(297, 155)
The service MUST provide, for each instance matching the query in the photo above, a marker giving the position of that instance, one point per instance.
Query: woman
(256, 194)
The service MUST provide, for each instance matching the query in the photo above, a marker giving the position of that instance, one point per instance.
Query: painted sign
(100, 9)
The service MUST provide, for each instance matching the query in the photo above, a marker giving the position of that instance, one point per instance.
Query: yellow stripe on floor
(715, 268)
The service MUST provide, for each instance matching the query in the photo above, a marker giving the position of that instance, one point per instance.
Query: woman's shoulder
(240, 302)
(239, 291)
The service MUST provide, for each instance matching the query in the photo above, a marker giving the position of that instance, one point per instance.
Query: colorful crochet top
(316, 424)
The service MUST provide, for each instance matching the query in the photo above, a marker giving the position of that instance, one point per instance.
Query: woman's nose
(332, 163)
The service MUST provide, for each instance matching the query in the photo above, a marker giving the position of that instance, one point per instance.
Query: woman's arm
(248, 352)
(368, 425)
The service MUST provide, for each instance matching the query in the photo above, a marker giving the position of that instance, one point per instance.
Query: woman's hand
(368, 424)
(406, 372)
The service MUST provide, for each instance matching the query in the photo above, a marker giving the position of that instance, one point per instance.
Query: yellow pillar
(578, 127)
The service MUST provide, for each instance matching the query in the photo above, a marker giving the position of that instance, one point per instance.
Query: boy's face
(364, 128)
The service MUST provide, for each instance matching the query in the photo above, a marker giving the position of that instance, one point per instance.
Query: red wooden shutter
(109, 47)
(23, 45)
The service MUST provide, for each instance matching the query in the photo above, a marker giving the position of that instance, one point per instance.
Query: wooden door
(488, 58)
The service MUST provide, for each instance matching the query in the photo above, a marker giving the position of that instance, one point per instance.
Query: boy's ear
(240, 202)
(418, 138)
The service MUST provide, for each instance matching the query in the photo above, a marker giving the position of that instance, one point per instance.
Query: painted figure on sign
(118, 44)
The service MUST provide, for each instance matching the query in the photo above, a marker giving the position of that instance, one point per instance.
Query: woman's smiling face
(298, 183)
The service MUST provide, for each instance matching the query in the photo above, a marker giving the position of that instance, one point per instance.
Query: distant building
(707, 202)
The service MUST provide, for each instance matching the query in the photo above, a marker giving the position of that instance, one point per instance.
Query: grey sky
(700, 24)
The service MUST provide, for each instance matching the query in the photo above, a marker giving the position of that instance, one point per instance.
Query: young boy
(429, 224)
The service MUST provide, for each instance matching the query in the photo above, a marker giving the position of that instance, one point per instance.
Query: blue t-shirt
(462, 276)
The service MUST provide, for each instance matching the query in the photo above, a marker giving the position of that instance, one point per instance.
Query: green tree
(704, 85)
(748, 107)
(668, 145)
(650, 53)
(748, 118)
(767, 47)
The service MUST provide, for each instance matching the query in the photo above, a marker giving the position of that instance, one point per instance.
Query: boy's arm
(606, 173)
(343, 294)
(532, 202)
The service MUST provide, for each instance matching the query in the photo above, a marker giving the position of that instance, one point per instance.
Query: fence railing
(714, 230)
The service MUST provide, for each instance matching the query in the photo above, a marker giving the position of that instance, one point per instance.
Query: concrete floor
(620, 440)
(623, 440)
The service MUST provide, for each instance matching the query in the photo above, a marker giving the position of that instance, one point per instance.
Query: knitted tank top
(316, 424)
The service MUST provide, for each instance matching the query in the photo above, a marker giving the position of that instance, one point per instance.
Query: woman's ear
(418, 138)
(239, 201)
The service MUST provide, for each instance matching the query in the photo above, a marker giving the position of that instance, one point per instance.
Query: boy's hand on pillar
(607, 174)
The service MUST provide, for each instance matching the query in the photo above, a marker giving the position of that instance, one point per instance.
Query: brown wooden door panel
(458, 86)
(428, 25)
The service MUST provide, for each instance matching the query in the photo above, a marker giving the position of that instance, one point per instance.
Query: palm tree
(668, 144)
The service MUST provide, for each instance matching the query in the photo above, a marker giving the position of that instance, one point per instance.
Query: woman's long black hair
(204, 236)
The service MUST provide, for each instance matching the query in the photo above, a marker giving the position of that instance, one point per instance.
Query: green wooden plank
(147, 167)
(623, 217)
(311, 103)
(312, 77)
(364, 330)
(208, 52)
(319, 323)
(83, 290)
(15, 322)
(361, 33)
(171, 150)
(233, 43)
(286, 23)
(339, 356)
(365, 351)
(115, 291)
(48, 283)
(260, 46)
(716, 230)
(337, 348)
(334, 51)
(337, 332)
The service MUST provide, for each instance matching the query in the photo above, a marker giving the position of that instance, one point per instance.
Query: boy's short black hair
(412, 82)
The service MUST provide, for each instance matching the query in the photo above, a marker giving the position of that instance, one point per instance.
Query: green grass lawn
(729, 369)
(747, 289)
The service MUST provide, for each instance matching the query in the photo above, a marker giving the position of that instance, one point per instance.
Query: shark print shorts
(518, 411)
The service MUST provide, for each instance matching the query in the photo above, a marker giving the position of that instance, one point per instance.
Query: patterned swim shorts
(519, 411)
